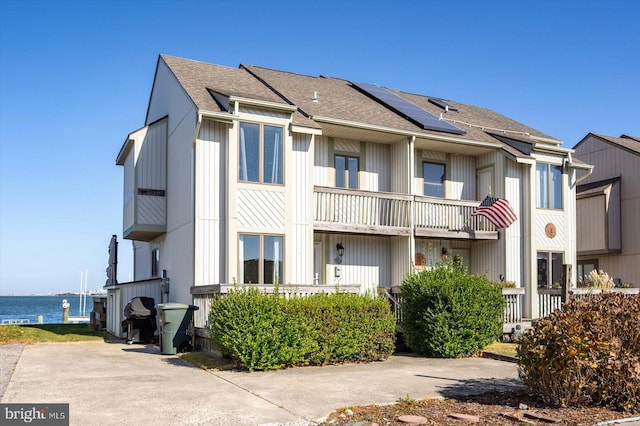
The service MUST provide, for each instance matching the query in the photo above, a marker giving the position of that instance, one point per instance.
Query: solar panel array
(407, 109)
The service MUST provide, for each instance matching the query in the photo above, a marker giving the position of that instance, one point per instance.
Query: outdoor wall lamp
(444, 253)
(340, 249)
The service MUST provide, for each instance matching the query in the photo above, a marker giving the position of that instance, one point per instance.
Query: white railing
(365, 208)
(513, 302)
(513, 298)
(551, 299)
(203, 295)
(337, 209)
(451, 215)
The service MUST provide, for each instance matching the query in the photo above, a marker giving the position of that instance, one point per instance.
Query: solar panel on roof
(442, 104)
(407, 109)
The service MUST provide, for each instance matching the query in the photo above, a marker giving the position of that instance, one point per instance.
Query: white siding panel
(151, 209)
(346, 145)
(376, 169)
(462, 183)
(151, 167)
(514, 243)
(128, 216)
(261, 209)
(487, 258)
(322, 164)
(261, 113)
(544, 217)
(211, 205)
(367, 262)
(400, 259)
(399, 158)
(299, 242)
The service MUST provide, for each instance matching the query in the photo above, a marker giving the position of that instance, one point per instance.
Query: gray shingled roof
(197, 77)
(336, 99)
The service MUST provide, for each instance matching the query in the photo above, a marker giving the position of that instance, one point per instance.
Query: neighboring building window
(346, 171)
(155, 262)
(585, 267)
(260, 153)
(261, 259)
(434, 176)
(550, 269)
(549, 179)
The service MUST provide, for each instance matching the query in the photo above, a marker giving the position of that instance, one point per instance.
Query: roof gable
(628, 143)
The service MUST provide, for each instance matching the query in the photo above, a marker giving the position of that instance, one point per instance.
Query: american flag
(497, 211)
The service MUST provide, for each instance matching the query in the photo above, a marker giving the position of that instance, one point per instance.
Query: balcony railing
(384, 213)
(361, 211)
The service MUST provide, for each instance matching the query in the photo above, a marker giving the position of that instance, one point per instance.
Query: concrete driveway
(116, 383)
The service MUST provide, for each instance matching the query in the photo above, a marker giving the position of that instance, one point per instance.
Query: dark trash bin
(140, 323)
(176, 327)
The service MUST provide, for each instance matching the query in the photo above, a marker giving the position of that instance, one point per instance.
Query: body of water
(50, 307)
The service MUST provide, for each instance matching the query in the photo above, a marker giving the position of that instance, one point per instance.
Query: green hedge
(449, 313)
(264, 332)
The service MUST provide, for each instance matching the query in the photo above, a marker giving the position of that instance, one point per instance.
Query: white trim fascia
(546, 140)
(124, 151)
(527, 160)
(264, 104)
(407, 133)
(224, 117)
(537, 147)
(306, 130)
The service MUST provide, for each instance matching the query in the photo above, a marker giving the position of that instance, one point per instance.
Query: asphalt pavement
(115, 384)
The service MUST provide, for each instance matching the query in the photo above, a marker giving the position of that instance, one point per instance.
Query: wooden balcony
(385, 213)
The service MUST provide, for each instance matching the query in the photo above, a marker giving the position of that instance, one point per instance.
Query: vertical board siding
(399, 176)
(589, 227)
(151, 167)
(321, 165)
(128, 203)
(376, 169)
(299, 242)
(611, 161)
(260, 209)
(400, 259)
(462, 184)
(514, 243)
(366, 262)
(433, 155)
(211, 206)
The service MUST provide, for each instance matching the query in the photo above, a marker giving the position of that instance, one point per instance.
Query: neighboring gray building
(608, 207)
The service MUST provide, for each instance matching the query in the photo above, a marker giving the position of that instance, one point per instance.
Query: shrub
(588, 353)
(599, 279)
(263, 331)
(449, 313)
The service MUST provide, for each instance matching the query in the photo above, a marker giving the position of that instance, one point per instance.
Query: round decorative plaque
(550, 230)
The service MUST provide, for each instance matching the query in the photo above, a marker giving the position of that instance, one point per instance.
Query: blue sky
(75, 79)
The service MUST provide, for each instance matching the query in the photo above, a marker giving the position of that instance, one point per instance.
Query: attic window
(442, 104)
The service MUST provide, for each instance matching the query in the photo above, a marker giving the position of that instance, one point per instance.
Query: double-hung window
(261, 260)
(346, 171)
(434, 177)
(260, 153)
(549, 178)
